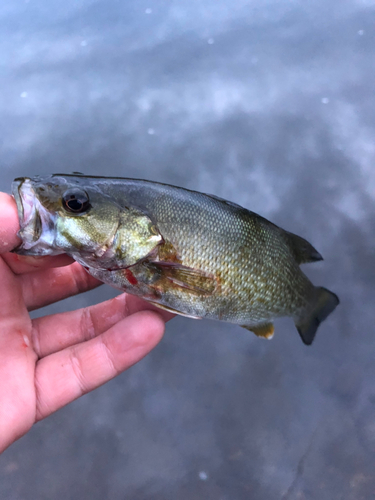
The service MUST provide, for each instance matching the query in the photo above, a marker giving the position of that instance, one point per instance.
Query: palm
(47, 362)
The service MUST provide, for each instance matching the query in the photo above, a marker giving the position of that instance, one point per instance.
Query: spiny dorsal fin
(302, 250)
(266, 330)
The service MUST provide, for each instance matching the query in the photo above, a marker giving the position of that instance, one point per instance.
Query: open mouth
(35, 233)
(30, 222)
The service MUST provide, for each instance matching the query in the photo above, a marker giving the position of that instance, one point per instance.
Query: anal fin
(266, 330)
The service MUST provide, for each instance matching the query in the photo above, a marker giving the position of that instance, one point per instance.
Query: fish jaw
(37, 225)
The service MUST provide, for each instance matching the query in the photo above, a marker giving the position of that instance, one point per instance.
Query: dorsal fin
(302, 250)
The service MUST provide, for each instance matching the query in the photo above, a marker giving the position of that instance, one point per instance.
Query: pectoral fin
(266, 330)
(194, 280)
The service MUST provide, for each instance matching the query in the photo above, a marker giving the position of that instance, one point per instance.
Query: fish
(187, 252)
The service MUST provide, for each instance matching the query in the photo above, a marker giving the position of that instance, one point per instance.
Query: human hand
(48, 362)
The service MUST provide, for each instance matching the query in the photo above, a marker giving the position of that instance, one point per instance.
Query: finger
(59, 331)
(21, 264)
(11, 303)
(17, 361)
(9, 224)
(68, 374)
(51, 285)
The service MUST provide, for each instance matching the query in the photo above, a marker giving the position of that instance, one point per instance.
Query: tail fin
(308, 323)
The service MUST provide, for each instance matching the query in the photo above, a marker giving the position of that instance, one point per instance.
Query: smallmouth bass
(187, 252)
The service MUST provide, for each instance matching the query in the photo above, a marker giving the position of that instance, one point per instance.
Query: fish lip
(21, 190)
(16, 184)
(36, 238)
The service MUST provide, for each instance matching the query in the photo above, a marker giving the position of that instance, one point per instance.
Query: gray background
(269, 103)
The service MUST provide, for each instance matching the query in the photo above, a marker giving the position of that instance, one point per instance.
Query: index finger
(9, 224)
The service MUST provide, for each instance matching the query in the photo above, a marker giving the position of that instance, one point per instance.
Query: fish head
(64, 214)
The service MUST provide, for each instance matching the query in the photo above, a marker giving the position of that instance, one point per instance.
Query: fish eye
(76, 201)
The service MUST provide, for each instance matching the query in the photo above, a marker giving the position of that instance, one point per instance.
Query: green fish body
(185, 251)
